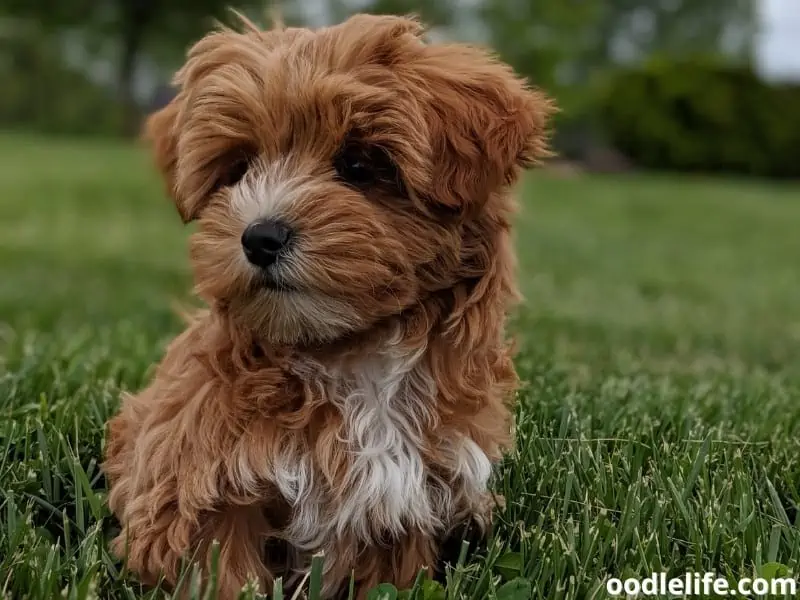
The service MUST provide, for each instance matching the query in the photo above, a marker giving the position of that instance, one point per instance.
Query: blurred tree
(563, 44)
(548, 40)
(636, 29)
(133, 25)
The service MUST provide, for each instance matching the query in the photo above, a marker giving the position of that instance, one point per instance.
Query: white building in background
(778, 49)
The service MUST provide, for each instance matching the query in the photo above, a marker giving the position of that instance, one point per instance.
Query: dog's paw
(474, 531)
(152, 553)
(134, 557)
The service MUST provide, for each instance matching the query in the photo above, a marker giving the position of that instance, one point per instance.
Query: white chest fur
(386, 406)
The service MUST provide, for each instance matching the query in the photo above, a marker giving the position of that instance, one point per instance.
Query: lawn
(659, 428)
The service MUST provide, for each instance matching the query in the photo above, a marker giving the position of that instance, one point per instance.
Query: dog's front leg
(159, 541)
(165, 526)
(172, 499)
(398, 563)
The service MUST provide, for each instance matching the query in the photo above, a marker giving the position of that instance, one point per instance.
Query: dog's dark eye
(363, 166)
(234, 172)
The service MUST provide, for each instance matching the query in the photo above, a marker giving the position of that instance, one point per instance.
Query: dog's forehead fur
(458, 122)
(301, 94)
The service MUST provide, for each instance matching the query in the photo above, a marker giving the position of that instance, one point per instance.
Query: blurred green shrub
(703, 116)
(42, 94)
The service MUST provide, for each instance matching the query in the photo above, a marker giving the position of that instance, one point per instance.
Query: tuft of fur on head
(350, 395)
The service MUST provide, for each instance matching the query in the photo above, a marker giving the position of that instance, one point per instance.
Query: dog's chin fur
(352, 398)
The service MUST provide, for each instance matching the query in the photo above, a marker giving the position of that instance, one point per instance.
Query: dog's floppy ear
(486, 123)
(161, 132)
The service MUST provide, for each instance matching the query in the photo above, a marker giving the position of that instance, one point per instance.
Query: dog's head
(340, 176)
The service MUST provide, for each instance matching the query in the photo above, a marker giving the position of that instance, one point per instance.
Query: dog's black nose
(264, 240)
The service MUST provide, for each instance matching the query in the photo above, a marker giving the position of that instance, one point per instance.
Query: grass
(659, 428)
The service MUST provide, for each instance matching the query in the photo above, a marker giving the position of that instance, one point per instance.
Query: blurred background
(686, 85)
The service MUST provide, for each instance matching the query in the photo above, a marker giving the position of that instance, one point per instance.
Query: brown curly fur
(356, 411)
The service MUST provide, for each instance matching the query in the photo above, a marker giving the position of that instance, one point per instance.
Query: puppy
(348, 388)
